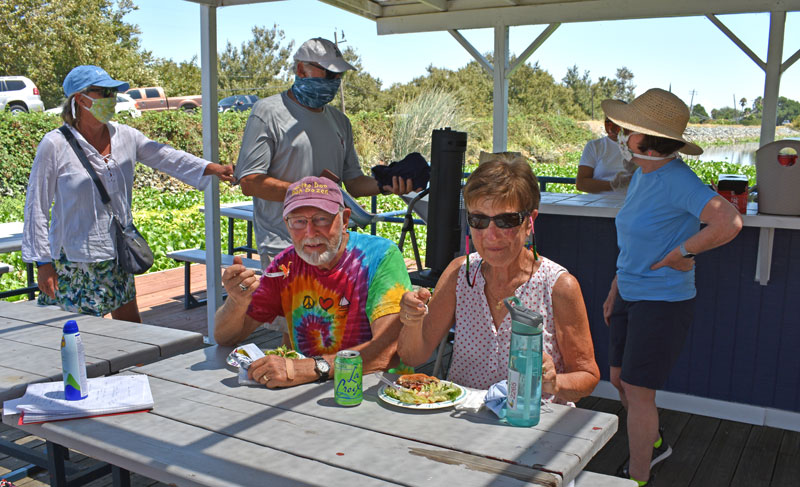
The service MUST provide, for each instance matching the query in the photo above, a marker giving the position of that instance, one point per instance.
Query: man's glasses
(328, 74)
(103, 92)
(503, 220)
(301, 222)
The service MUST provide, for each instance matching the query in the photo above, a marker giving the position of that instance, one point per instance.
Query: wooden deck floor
(707, 452)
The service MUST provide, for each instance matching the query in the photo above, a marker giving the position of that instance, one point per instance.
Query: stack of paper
(107, 395)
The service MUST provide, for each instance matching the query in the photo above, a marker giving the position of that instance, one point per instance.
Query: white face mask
(628, 154)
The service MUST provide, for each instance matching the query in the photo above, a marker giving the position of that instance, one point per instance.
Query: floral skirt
(91, 288)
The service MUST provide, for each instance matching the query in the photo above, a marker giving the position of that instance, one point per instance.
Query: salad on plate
(423, 389)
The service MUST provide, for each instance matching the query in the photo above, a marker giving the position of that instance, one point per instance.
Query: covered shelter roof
(410, 16)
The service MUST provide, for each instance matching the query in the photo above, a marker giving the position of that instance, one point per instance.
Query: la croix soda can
(347, 370)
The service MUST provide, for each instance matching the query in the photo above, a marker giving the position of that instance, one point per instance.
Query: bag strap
(85, 161)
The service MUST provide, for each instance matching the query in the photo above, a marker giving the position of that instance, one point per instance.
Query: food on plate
(422, 389)
(283, 351)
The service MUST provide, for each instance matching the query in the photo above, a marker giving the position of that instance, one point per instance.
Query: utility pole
(691, 102)
(337, 41)
(734, 107)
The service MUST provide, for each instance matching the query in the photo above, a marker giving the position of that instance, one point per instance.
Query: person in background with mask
(650, 305)
(295, 134)
(68, 230)
(601, 168)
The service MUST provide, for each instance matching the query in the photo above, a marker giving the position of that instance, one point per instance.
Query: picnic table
(11, 241)
(30, 342)
(205, 429)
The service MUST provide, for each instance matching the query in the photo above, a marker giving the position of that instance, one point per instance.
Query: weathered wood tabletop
(30, 344)
(205, 429)
(10, 237)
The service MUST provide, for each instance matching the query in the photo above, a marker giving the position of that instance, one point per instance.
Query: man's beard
(320, 258)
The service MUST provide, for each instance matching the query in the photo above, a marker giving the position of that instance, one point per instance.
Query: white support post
(769, 111)
(208, 76)
(500, 112)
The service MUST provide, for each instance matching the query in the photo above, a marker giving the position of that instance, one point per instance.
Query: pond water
(736, 153)
(744, 153)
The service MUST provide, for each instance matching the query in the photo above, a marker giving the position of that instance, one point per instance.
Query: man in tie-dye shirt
(337, 290)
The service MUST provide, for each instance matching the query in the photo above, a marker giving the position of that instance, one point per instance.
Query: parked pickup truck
(153, 98)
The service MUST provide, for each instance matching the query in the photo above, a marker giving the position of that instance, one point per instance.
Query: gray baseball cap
(323, 52)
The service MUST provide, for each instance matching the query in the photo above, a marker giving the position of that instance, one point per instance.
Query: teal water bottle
(524, 365)
(73, 363)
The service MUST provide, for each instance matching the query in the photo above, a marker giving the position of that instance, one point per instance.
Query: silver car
(19, 94)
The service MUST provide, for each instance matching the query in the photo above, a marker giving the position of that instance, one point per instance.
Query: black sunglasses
(104, 92)
(503, 220)
(328, 74)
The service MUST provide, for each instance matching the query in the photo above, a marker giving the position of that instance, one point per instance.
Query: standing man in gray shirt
(295, 134)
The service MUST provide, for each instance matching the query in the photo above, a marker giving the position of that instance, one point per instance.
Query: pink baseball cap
(313, 191)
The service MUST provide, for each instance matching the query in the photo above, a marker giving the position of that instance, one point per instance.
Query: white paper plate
(430, 405)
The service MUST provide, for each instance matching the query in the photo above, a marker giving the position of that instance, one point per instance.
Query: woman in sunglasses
(502, 200)
(68, 229)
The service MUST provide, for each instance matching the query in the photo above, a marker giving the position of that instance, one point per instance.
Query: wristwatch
(685, 252)
(322, 368)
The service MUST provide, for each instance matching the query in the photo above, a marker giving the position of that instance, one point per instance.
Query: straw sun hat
(655, 112)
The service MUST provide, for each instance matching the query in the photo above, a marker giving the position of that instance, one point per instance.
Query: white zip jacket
(60, 186)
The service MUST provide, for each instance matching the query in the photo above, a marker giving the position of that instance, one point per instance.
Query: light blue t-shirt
(662, 209)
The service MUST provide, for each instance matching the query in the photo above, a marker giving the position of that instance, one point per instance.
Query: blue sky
(685, 54)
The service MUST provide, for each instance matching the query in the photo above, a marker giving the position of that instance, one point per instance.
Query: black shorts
(646, 338)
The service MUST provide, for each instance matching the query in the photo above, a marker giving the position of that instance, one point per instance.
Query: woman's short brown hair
(507, 179)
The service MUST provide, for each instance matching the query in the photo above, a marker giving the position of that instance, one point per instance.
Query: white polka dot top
(480, 351)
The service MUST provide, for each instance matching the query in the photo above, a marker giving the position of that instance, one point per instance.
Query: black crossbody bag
(133, 253)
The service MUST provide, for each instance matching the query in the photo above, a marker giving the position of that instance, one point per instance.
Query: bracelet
(40, 264)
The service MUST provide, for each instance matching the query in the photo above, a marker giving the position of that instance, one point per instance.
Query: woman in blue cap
(68, 229)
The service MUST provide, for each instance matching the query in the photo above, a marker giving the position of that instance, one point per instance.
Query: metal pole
(500, 112)
(209, 78)
(341, 86)
(769, 112)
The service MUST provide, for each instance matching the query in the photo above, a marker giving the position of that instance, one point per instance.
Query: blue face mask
(315, 92)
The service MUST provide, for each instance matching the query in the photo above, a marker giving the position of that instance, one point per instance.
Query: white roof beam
(794, 57)
(472, 51)
(533, 47)
(725, 30)
(465, 14)
(440, 5)
(365, 8)
(229, 3)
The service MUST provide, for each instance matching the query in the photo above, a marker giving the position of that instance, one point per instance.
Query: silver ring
(243, 287)
(265, 378)
(407, 317)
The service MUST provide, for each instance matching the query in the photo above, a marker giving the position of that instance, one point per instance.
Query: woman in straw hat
(651, 302)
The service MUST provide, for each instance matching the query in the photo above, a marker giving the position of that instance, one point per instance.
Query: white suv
(18, 94)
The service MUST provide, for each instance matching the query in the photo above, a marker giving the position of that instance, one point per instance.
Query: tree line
(39, 43)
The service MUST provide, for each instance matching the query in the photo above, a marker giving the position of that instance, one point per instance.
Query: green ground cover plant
(172, 221)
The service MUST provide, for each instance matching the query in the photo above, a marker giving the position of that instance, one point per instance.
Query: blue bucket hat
(82, 77)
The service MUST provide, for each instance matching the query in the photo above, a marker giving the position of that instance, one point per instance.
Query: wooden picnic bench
(198, 256)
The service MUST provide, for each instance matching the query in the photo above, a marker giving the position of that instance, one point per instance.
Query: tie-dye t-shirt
(328, 311)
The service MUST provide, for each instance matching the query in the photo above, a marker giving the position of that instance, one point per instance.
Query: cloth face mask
(627, 153)
(102, 108)
(315, 92)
